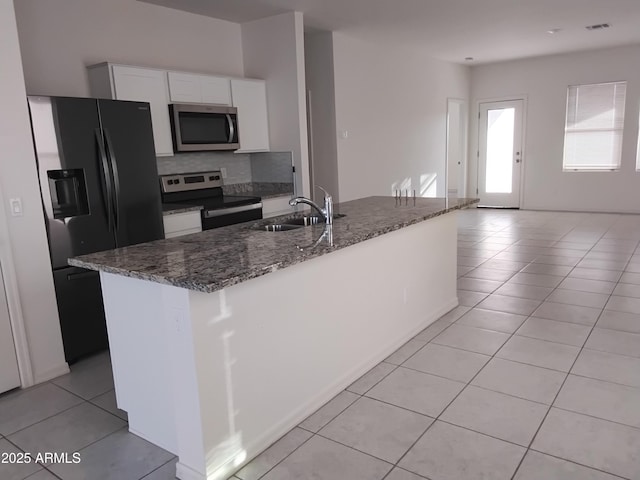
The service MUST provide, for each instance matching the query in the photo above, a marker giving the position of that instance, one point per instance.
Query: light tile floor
(536, 375)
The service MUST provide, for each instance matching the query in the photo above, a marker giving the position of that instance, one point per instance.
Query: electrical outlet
(223, 171)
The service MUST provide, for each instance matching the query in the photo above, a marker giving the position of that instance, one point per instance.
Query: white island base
(217, 377)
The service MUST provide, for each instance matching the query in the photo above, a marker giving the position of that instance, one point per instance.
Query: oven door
(204, 127)
(230, 216)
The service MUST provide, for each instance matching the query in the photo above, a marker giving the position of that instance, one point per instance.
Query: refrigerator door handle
(107, 179)
(116, 178)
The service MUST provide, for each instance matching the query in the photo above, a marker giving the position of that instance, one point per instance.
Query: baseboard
(184, 472)
(51, 373)
(256, 447)
(154, 441)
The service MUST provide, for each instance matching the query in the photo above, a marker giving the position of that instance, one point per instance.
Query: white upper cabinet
(215, 90)
(121, 82)
(250, 98)
(193, 88)
(160, 88)
(184, 87)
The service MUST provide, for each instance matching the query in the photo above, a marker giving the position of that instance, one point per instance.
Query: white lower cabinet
(178, 224)
(272, 207)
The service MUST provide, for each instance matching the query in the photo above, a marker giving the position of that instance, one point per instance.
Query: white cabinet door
(215, 90)
(178, 224)
(184, 87)
(147, 85)
(193, 88)
(9, 376)
(250, 97)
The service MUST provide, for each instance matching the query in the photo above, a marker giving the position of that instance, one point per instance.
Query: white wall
(273, 49)
(392, 101)
(23, 242)
(318, 58)
(60, 37)
(544, 81)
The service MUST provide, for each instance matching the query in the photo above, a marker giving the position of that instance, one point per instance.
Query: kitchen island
(224, 340)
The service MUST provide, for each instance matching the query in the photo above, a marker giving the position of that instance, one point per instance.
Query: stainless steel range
(205, 189)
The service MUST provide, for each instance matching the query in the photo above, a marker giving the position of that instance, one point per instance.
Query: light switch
(223, 171)
(344, 133)
(16, 207)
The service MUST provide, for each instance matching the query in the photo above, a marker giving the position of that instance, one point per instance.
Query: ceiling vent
(599, 26)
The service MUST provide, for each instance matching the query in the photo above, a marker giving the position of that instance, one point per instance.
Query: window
(593, 132)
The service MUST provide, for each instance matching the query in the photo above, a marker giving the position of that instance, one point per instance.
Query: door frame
(464, 144)
(16, 316)
(474, 149)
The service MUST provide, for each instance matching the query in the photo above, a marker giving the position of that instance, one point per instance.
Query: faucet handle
(326, 194)
(328, 206)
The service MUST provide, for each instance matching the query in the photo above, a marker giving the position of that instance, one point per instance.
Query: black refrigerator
(99, 184)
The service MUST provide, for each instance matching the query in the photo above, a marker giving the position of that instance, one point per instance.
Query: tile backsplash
(271, 167)
(238, 165)
(263, 167)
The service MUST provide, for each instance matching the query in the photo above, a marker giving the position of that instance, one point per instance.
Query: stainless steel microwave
(196, 127)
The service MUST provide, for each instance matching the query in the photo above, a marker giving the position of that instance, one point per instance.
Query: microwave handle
(232, 129)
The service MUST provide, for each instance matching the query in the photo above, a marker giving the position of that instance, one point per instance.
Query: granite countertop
(218, 258)
(173, 208)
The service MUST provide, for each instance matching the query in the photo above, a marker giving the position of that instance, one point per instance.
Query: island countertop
(214, 259)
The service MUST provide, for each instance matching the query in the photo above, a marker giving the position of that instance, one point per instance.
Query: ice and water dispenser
(68, 193)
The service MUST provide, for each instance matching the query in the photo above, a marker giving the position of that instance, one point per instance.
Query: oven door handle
(228, 211)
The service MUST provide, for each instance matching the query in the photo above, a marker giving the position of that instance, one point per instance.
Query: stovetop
(203, 189)
(218, 202)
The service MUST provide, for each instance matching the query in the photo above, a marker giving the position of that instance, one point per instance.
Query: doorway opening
(500, 155)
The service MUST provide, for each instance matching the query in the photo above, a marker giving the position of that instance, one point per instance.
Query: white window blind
(593, 131)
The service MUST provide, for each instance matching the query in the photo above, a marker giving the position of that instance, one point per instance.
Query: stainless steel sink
(280, 227)
(293, 223)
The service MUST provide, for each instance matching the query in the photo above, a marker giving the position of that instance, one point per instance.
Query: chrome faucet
(326, 212)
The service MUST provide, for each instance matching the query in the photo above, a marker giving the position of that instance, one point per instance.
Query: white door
(500, 153)
(456, 147)
(9, 376)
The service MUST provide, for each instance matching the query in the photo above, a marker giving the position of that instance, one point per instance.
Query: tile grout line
(50, 416)
(566, 376)
(459, 393)
(563, 382)
(467, 384)
(579, 352)
(362, 396)
(577, 463)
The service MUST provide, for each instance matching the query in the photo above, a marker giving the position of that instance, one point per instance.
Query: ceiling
(487, 30)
